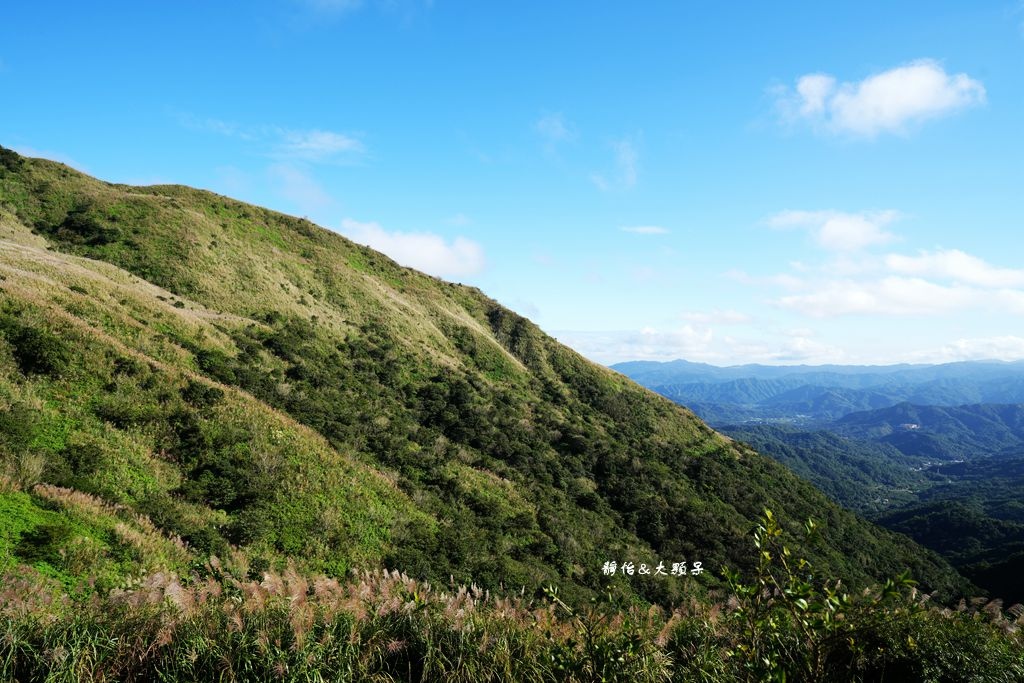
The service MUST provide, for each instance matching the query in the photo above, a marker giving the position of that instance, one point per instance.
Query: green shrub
(36, 349)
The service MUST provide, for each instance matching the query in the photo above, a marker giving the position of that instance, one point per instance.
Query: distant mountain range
(933, 451)
(815, 394)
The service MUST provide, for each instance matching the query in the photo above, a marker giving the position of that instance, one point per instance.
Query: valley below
(931, 451)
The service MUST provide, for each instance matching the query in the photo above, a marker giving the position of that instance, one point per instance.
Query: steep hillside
(216, 371)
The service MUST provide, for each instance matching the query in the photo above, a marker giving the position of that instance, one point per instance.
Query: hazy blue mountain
(817, 394)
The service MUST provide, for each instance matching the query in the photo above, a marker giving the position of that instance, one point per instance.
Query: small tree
(793, 627)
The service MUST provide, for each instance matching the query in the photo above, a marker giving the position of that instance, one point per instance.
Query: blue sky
(744, 182)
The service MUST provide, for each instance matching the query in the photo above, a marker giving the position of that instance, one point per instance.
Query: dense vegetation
(947, 476)
(940, 433)
(969, 511)
(862, 475)
(185, 377)
(976, 519)
(782, 624)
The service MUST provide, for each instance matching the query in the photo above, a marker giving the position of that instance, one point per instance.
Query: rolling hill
(182, 374)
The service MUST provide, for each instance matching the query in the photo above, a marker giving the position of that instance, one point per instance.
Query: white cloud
(953, 264)
(317, 145)
(627, 159)
(890, 101)
(839, 231)
(646, 229)
(689, 342)
(930, 283)
(900, 296)
(217, 126)
(554, 128)
(889, 296)
(814, 90)
(1006, 347)
(420, 250)
(696, 343)
(286, 144)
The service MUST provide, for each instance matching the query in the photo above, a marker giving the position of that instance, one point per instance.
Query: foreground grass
(384, 626)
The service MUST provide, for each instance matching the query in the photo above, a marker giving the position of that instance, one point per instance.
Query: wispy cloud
(688, 341)
(219, 127)
(697, 343)
(646, 229)
(839, 231)
(424, 251)
(317, 145)
(404, 10)
(784, 280)
(887, 102)
(333, 6)
(855, 280)
(627, 159)
(554, 128)
(285, 144)
(233, 180)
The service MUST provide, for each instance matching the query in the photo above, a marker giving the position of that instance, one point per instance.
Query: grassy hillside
(179, 366)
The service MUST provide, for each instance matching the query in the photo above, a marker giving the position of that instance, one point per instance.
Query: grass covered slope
(244, 378)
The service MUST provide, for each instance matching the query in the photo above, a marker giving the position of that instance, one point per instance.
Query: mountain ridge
(287, 360)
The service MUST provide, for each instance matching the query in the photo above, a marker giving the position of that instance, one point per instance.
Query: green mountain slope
(861, 475)
(975, 519)
(244, 379)
(938, 432)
